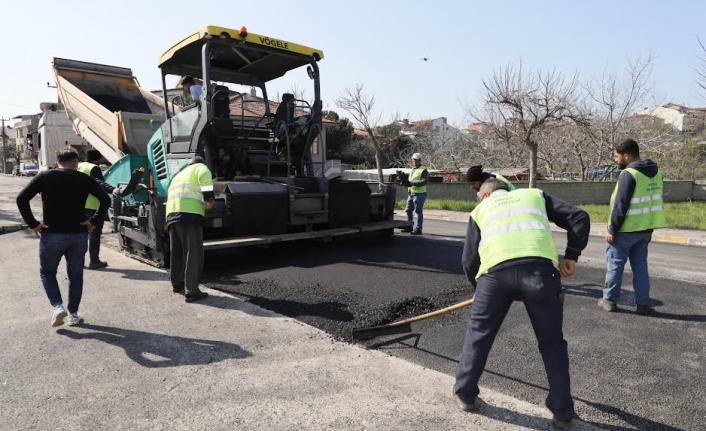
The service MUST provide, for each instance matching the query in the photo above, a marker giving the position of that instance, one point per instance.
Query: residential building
(639, 120)
(26, 135)
(689, 121)
(438, 136)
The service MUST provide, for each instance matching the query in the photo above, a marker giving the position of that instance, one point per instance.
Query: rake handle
(435, 313)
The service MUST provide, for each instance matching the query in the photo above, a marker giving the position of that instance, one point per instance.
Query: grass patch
(681, 215)
(443, 204)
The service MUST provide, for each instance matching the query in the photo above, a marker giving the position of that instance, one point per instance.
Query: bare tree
(522, 104)
(610, 103)
(701, 71)
(555, 149)
(361, 107)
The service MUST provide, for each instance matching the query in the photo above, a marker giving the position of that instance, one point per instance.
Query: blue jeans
(415, 203)
(632, 246)
(72, 246)
(538, 285)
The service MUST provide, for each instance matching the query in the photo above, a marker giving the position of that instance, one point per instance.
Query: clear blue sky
(379, 44)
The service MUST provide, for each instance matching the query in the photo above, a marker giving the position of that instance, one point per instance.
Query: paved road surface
(629, 372)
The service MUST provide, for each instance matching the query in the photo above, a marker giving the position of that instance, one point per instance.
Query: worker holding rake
(509, 253)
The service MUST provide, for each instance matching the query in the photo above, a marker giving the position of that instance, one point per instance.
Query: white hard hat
(417, 156)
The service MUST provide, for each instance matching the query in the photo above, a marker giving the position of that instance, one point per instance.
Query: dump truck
(55, 131)
(267, 158)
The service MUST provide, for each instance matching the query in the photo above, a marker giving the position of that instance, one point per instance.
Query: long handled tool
(403, 326)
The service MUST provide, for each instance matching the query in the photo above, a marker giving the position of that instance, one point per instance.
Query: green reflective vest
(92, 203)
(185, 194)
(416, 175)
(646, 207)
(513, 225)
(505, 180)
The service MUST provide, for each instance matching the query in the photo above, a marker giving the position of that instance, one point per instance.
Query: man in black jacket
(510, 254)
(63, 232)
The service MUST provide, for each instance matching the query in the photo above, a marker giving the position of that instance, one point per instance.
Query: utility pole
(4, 144)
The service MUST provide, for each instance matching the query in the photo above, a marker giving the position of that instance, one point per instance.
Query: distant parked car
(28, 169)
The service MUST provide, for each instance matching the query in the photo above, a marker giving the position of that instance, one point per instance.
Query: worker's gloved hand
(567, 267)
(116, 192)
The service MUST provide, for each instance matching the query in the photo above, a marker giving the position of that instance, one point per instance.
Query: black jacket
(626, 187)
(97, 175)
(569, 217)
(64, 193)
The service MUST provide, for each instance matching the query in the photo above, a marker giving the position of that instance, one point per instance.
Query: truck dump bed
(107, 106)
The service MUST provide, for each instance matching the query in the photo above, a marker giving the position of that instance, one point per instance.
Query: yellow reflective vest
(185, 194)
(513, 225)
(646, 210)
(92, 203)
(416, 175)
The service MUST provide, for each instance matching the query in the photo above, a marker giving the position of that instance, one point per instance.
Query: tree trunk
(378, 163)
(533, 164)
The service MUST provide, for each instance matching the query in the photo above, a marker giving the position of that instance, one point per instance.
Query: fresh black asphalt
(628, 371)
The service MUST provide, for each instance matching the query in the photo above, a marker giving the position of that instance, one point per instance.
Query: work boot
(417, 232)
(97, 265)
(607, 305)
(407, 229)
(562, 425)
(178, 289)
(195, 297)
(466, 406)
(645, 310)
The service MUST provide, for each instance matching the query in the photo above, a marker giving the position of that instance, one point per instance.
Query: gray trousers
(186, 256)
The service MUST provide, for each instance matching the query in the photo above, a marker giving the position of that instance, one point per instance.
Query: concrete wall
(573, 191)
(698, 192)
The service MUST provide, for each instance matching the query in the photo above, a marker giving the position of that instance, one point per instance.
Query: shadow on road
(133, 274)
(410, 341)
(335, 311)
(12, 216)
(636, 422)
(399, 252)
(158, 350)
(521, 420)
(627, 300)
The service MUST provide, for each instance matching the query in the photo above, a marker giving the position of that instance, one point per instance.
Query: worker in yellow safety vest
(416, 183)
(636, 210)
(90, 167)
(475, 177)
(189, 196)
(509, 253)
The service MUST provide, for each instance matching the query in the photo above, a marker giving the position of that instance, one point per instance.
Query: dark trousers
(94, 238)
(186, 255)
(538, 285)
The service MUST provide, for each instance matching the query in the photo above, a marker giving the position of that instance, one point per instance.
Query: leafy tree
(338, 137)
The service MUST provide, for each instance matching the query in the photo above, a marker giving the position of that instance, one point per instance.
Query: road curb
(669, 236)
(9, 228)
